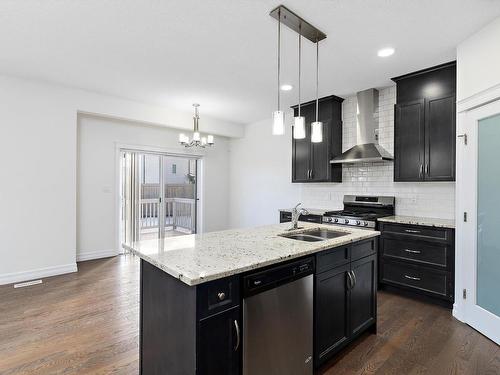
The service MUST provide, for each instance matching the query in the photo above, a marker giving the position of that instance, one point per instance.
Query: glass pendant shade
(210, 139)
(299, 127)
(317, 132)
(182, 138)
(278, 123)
(196, 136)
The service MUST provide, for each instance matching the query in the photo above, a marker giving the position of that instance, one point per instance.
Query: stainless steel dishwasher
(278, 320)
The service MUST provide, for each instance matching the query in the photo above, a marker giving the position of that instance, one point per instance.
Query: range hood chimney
(367, 148)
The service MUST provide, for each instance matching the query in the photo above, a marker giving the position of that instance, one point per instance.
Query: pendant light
(198, 140)
(278, 116)
(299, 127)
(317, 126)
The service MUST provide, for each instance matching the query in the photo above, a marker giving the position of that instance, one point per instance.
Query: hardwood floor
(87, 323)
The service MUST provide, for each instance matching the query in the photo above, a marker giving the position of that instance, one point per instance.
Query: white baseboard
(89, 255)
(15, 277)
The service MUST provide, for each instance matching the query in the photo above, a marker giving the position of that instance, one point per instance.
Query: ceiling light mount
(297, 23)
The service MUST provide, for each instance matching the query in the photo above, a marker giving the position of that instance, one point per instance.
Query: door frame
(187, 153)
(464, 308)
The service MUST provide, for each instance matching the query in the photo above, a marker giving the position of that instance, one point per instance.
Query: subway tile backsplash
(430, 199)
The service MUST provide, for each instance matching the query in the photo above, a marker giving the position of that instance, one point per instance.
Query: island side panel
(167, 324)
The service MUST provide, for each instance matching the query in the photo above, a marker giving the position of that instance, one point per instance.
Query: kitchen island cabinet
(191, 293)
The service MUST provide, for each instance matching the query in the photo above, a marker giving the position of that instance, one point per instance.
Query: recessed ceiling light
(384, 52)
(286, 87)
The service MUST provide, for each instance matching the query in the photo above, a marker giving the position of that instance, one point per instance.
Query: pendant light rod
(300, 61)
(297, 23)
(279, 56)
(317, 79)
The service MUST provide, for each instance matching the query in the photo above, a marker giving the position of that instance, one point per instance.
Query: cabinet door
(219, 344)
(332, 313)
(301, 151)
(409, 141)
(363, 294)
(320, 152)
(440, 132)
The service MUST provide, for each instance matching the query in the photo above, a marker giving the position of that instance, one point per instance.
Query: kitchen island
(192, 293)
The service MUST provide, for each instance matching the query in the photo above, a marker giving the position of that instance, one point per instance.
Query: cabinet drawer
(311, 218)
(363, 249)
(218, 295)
(418, 231)
(285, 216)
(424, 279)
(435, 254)
(328, 259)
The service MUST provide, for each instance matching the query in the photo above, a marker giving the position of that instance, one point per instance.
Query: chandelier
(197, 140)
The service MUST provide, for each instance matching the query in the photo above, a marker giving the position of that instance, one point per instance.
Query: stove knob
(358, 222)
(336, 220)
(329, 219)
(365, 224)
(346, 221)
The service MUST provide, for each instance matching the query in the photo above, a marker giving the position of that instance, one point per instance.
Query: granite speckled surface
(415, 220)
(198, 258)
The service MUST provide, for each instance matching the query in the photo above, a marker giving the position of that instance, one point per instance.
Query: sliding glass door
(158, 195)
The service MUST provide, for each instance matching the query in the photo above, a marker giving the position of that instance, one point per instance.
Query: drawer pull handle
(413, 251)
(412, 231)
(412, 278)
(221, 296)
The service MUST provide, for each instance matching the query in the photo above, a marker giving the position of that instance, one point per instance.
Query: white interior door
(480, 199)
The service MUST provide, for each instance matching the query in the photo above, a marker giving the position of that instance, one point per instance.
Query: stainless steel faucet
(296, 212)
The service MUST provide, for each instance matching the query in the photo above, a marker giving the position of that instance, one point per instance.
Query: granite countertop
(415, 220)
(198, 258)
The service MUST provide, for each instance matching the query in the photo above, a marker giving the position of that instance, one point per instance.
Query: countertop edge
(238, 270)
(420, 221)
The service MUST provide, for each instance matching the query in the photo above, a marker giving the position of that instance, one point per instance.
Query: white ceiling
(222, 53)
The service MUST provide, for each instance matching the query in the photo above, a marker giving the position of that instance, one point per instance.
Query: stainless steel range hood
(367, 148)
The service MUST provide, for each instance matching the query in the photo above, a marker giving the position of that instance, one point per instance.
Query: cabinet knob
(222, 296)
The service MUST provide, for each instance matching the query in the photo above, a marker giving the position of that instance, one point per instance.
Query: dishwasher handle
(238, 339)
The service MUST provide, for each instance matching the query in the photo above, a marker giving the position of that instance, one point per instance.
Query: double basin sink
(315, 235)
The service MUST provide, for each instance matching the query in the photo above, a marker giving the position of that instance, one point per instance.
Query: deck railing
(179, 213)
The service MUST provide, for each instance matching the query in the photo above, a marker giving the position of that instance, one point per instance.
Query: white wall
(97, 190)
(478, 61)
(38, 147)
(261, 174)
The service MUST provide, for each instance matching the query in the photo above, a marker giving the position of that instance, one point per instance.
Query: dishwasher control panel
(272, 277)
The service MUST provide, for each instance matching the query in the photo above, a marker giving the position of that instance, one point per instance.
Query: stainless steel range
(361, 211)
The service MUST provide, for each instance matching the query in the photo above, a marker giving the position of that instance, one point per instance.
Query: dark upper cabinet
(311, 161)
(440, 138)
(220, 344)
(425, 126)
(409, 141)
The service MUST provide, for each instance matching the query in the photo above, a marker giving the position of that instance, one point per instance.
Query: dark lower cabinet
(418, 260)
(286, 216)
(189, 330)
(345, 297)
(332, 317)
(363, 294)
(219, 343)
